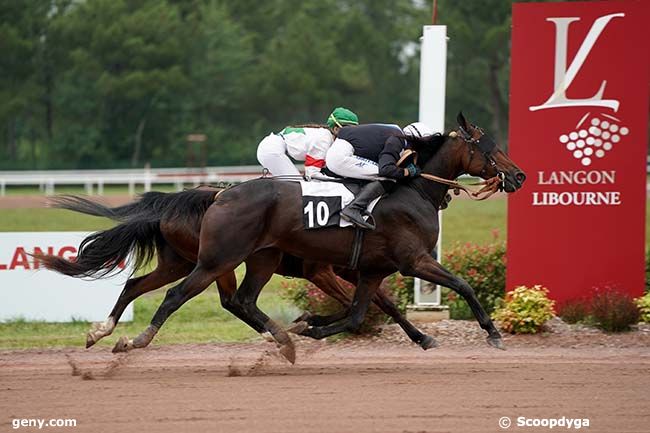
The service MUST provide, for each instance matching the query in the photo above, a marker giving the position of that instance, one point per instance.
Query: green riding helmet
(342, 117)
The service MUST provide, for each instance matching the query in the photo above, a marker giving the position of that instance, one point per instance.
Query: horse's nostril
(520, 176)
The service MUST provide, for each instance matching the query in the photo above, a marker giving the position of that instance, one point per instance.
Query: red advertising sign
(578, 128)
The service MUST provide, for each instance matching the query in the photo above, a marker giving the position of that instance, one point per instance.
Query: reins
(490, 186)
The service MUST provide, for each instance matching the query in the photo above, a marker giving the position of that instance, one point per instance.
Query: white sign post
(433, 76)
(29, 291)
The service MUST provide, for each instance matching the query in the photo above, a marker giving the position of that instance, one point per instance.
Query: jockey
(307, 143)
(368, 152)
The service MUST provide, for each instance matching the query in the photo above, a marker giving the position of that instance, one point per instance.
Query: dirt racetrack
(379, 386)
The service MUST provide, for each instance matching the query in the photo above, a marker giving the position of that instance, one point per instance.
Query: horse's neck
(441, 165)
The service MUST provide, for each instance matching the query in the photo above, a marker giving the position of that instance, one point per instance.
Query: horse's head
(481, 156)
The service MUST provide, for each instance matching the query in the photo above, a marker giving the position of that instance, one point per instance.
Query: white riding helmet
(418, 129)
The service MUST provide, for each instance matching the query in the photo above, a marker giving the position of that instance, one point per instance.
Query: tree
(125, 69)
(109, 83)
(220, 62)
(20, 30)
(478, 61)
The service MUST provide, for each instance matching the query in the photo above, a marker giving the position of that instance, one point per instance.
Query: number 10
(322, 213)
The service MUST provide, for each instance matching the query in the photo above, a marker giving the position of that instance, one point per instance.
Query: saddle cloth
(322, 202)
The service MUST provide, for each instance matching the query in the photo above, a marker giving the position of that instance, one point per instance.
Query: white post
(147, 177)
(433, 76)
(49, 187)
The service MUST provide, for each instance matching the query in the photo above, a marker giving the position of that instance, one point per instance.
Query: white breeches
(272, 154)
(342, 161)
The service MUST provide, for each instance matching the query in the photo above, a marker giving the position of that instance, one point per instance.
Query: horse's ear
(462, 122)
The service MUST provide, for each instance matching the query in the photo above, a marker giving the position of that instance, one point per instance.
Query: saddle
(354, 185)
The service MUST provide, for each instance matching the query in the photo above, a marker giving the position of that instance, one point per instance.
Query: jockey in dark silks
(368, 152)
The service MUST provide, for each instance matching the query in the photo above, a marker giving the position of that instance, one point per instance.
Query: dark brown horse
(167, 225)
(260, 220)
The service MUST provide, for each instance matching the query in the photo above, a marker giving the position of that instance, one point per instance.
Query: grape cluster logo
(593, 137)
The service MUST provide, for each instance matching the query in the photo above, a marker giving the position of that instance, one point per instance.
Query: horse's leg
(426, 268)
(387, 306)
(214, 261)
(198, 280)
(227, 286)
(324, 277)
(260, 267)
(308, 319)
(170, 268)
(366, 289)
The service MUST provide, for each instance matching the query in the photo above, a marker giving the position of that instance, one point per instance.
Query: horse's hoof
(90, 340)
(428, 342)
(289, 352)
(298, 328)
(122, 345)
(496, 342)
(303, 317)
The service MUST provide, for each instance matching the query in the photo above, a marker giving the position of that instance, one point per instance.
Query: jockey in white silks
(308, 143)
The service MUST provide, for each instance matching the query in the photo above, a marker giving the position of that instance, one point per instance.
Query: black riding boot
(357, 208)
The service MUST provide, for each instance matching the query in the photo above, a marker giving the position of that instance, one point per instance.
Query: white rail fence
(95, 180)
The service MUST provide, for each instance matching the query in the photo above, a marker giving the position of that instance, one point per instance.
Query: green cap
(341, 117)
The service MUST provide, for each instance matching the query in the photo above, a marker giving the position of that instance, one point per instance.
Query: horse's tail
(136, 238)
(102, 252)
(89, 207)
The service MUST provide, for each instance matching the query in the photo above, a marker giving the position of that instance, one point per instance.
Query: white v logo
(564, 77)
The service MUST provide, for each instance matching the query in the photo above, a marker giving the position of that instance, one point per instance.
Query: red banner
(578, 128)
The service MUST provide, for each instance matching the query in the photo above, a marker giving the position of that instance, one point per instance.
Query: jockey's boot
(355, 211)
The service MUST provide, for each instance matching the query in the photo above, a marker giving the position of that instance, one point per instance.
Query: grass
(487, 216)
(21, 220)
(202, 319)
(479, 222)
(473, 221)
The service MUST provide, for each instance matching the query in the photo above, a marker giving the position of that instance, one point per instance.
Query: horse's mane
(426, 147)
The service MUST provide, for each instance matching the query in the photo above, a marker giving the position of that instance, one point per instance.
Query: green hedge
(484, 268)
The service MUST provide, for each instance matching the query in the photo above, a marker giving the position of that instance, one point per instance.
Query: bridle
(486, 145)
